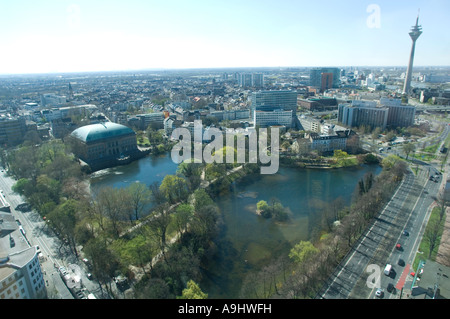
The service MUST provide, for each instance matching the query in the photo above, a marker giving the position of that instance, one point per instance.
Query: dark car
(405, 232)
(24, 207)
(390, 287)
(401, 262)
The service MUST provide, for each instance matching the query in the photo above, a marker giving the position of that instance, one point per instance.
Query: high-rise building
(415, 33)
(251, 80)
(354, 116)
(321, 78)
(326, 81)
(401, 115)
(274, 100)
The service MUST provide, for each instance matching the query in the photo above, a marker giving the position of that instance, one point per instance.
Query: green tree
(183, 215)
(23, 187)
(193, 291)
(104, 262)
(174, 188)
(303, 251)
(201, 199)
(389, 161)
(262, 206)
(64, 220)
(408, 148)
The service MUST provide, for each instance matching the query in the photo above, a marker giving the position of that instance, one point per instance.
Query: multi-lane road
(408, 211)
(38, 233)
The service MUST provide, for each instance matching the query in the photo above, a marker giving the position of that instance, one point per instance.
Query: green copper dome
(101, 131)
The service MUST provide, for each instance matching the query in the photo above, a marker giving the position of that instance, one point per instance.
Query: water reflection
(247, 241)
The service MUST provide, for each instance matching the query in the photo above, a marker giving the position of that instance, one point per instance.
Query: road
(408, 209)
(38, 233)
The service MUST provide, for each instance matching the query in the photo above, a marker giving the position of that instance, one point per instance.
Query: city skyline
(81, 36)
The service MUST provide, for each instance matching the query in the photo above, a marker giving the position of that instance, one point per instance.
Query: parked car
(24, 207)
(390, 287)
(379, 293)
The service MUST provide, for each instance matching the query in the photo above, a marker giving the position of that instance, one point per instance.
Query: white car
(379, 293)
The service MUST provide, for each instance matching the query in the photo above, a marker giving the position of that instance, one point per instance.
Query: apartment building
(21, 276)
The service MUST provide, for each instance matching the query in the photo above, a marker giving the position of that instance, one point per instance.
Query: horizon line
(217, 68)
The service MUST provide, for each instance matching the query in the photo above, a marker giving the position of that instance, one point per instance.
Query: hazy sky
(78, 35)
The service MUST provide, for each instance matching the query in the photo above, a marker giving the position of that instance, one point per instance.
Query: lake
(247, 241)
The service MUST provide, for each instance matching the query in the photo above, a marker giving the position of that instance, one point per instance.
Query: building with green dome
(105, 145)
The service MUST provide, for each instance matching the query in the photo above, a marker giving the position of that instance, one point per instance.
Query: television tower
(415, 33)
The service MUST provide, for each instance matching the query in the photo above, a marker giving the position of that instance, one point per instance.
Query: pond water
(247, 241)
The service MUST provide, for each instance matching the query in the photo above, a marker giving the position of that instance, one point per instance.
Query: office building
(12, 130)
(355, 116)
(274, 100)
(325, 78)
(50, 99)
(401, 115)
(155, 120)
(274, 118)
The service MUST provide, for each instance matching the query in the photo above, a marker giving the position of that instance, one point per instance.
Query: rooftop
(100, 131)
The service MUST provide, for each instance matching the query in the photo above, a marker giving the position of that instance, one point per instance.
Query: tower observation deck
(415, 33)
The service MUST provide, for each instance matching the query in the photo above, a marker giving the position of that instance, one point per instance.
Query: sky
(39, 36)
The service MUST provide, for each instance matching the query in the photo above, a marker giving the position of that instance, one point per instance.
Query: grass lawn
(424, 247)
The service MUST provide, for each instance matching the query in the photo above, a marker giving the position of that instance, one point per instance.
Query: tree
(104, 262)
(408, 148)
(139, 197)
(262, 207)
(303, 251)
(158, 226)
(193, 291)
(201, 199)
(389, 161)
(23, 187)
(183, 215)
(64, 220)
(174, 188)
(433, 234)
(112, 203)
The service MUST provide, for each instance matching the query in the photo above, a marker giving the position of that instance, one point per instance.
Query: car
(398, 247)
(89, 276)
(401, 262)
(62, 271)
(24, 207)
(80, 295)
(379, 293)
(390, 287)
(405, 233)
